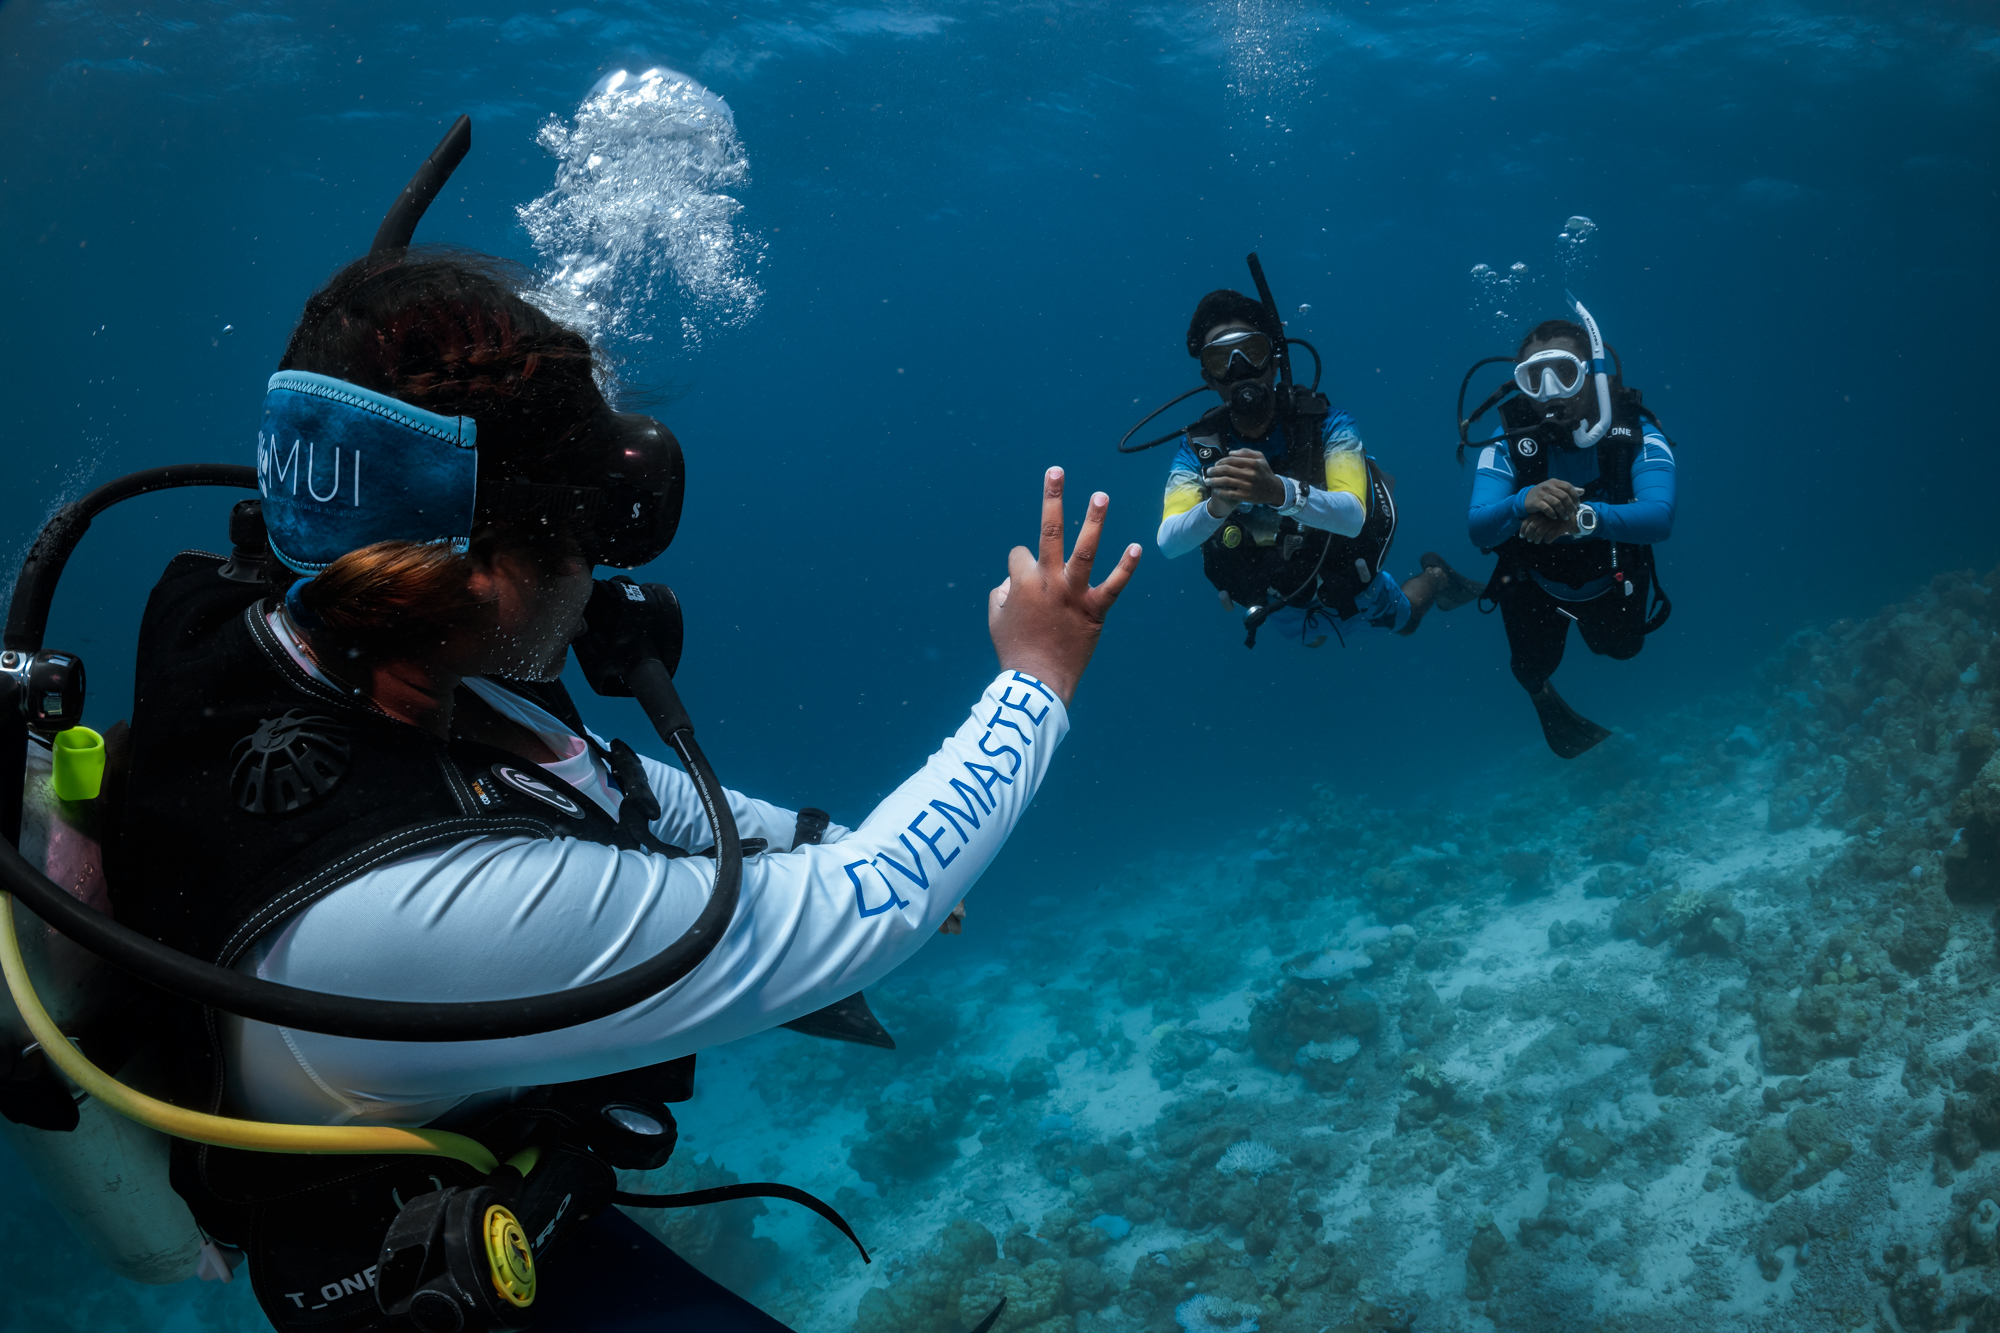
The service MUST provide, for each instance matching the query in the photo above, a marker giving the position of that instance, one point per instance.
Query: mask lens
(1550, 374)
(634, 485)
(1241, 353)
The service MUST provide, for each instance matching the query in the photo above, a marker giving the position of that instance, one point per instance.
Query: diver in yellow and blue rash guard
(1294, 534)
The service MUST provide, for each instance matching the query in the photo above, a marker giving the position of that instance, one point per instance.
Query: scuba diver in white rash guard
(368, 786)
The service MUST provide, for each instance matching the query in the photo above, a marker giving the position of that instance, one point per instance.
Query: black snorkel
(1299, 409)
(42, 692)
(399, 224)
(1293, 402)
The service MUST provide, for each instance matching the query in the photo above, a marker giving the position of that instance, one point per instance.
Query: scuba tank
(105, 1175)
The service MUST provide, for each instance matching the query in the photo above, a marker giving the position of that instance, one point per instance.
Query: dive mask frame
(1602, 368)
(1561, 374)
(1218, 359)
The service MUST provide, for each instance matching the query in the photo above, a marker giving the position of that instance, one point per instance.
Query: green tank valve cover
(77, 773)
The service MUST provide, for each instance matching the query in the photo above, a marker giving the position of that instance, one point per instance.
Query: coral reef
(1249, 1157)
(1216, 1314)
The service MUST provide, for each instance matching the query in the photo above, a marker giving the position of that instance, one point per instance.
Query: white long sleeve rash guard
(498, 917)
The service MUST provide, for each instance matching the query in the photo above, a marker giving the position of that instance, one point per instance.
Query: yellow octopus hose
(181, 1123)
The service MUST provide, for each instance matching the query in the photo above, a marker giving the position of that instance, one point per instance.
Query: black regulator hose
(35, 591)
(204, 983)
(35, 585)
(1170, 435)
(1464, 421)
(405, 1020)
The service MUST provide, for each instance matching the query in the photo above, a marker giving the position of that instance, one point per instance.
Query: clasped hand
(1551, 507)
(1239, 478)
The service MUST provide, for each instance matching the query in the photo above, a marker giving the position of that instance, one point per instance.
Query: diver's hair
(387, 601)
(449, 331)
(1222, 306)
(1556, 330)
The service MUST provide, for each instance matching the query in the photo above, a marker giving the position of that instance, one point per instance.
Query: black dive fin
(846, 1020)
(1569, 732)
(987, 1323)
(1458, 590)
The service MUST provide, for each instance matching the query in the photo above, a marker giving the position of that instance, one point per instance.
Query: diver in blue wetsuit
(1293, 525)
(1573, 490)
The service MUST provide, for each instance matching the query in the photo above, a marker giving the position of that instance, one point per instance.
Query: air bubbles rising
(1495, 290)
(1503, 297)
(1268, 48)
(1572, 244)
(640, 210)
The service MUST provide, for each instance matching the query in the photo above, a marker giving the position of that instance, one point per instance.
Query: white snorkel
(1581, 438)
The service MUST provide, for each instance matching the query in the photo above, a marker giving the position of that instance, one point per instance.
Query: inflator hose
(341, 1015)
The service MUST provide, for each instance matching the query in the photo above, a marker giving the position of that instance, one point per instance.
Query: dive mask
(1245, 348)
(341, 467)
(1551, 374)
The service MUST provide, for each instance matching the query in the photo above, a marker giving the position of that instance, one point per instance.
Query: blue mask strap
(297, 610)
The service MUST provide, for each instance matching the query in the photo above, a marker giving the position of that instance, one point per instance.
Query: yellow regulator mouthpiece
(78, 765)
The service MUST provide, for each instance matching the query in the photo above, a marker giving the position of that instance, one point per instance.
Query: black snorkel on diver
(625, 518)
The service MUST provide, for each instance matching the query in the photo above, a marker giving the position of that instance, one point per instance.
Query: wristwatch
(1296, 494)
(1586, 520)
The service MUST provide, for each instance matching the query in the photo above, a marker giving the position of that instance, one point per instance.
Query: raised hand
(1045, 617)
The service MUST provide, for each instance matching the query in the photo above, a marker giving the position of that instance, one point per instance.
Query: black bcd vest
(255, 790)
(1303, 564)
(1530, 439)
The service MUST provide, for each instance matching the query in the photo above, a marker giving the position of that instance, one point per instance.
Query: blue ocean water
(969, 239)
